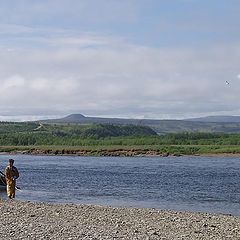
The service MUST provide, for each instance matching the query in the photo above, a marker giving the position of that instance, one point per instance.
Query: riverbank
(25, 220)
(114, 153)
(121, 151)
(94, 152)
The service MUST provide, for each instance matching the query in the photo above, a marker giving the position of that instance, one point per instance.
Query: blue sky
(135, 58)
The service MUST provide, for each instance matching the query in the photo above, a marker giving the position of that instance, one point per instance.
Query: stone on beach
(26, 220)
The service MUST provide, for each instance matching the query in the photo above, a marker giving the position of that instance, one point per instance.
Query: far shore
(26, 220)
(111, 153)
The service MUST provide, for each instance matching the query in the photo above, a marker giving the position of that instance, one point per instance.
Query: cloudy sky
(119, 58)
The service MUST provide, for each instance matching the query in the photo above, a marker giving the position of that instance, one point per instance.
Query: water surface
(206, 184)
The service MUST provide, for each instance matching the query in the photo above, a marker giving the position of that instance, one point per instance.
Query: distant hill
(73, 118)
(79, 118)
(223, 119)
(160, 126)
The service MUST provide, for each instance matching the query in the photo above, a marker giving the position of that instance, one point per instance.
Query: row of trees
(11, 127)
(61, 138)
(70, 134)
(26, 134)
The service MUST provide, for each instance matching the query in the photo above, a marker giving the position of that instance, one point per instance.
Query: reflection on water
(207, 184)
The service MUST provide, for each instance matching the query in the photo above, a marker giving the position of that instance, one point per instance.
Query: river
(199, 184)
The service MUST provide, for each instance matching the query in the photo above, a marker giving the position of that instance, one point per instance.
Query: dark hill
(73, 118)
(79, 118)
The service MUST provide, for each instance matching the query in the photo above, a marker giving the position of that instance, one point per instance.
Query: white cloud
(118, 80)
(11, 83)
(62, 71)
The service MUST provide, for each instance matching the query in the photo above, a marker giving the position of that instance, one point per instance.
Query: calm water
(206, 184)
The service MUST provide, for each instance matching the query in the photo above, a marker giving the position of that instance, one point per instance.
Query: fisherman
(11, 174)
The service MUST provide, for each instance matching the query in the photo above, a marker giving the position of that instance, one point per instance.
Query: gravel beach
(26, 220)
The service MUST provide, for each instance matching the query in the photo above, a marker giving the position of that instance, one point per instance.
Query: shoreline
(112, 153)
(27, 220)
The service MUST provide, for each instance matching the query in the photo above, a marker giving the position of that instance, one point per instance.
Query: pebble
(26, 220)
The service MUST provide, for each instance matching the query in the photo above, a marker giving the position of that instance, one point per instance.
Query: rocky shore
(109, 152)
(25, 220)
(94, 152)
(113, 153)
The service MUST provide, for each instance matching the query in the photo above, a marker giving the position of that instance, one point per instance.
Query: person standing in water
(11, 174)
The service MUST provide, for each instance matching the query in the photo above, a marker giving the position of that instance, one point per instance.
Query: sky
(158, 59)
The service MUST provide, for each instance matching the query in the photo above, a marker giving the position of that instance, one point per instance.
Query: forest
(102, 136)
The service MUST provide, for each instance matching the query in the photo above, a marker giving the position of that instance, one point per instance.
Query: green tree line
(29, 133)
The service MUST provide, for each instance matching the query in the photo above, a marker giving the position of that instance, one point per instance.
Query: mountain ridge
(216, 118)
(78, 117)
(159, 126)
